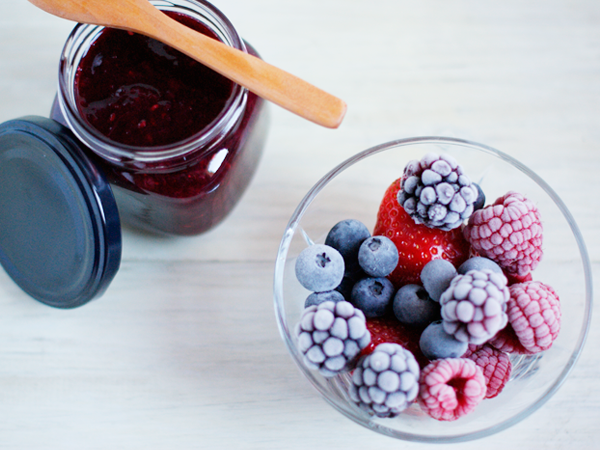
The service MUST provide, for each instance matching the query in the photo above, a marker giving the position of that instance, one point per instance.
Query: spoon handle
(265, 80)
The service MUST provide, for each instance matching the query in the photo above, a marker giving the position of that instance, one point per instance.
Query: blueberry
(346, 237)
(348, 282)
(378, 256)
(373, 296)
(320, 268)
(480, 202)
(478, 263)
(436, 277)
(316, 298)
(413, 306)
(435, 343)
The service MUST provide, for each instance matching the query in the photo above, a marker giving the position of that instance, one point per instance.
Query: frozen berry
(416, 244)
(388, 329)
(495, 365)
(317, 298)
(385, 382)
(480, 202)
(373, 296)
(473, 307)
(534, 314)
(319, 268)
(346, 237)
(451, 388)
(508, 232)
(435, 343)
(331, 337)
(436, 192)
(436, 277)
(478, 263)
(378, 256)
(413, 306)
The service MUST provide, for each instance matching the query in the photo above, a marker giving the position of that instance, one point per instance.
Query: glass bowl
(353, 190)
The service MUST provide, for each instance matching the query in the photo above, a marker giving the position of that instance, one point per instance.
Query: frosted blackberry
(474, 306)
(385, 382)
(319, 268)
(436, 192)
(331, 336)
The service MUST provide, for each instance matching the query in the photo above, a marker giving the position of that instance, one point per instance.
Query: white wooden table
(183, 351)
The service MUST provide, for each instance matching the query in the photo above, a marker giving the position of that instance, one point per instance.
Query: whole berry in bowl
(417, 244)
(346, 237)
(435, 191)
(474, 306)
(508, 232)
(320, 268)
(386, 381)
(373, 296)
(331, 336)
(436, 277)
(412, 305)
(451, 388)
(435, 343)
(378, 256)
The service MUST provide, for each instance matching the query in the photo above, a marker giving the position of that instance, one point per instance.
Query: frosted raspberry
(507, 341)
(508, 232)
(451, 388)
(474, 305)
(534, 314)
(436, 192)
(495, 365)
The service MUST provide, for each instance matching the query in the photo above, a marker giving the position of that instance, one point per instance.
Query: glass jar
(183, 187)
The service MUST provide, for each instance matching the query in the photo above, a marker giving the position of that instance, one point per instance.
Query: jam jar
(178, 142)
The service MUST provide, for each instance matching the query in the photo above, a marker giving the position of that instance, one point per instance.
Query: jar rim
(83, 35)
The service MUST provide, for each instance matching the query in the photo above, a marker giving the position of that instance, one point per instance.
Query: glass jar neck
(76, 47)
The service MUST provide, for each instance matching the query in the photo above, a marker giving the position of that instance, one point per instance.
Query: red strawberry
(389, 329)
(417, 244)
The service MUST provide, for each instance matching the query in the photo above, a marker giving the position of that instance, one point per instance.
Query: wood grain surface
(183, 351)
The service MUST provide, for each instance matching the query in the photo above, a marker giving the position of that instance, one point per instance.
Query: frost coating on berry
(474, 306)
(435, 343)
(378, 256)
(331, 335)
(495, 365)
(386, 381)
(373, 296)
(534, 314)
(319, 268)
(413, 306)
(451, 388)
(436, 192)
(436, 276)
(508, 232)
(346, 237)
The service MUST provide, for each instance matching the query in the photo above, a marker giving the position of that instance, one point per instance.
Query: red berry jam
(140, 92)
(178, 142)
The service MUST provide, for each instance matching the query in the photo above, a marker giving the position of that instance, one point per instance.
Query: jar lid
(60, 234)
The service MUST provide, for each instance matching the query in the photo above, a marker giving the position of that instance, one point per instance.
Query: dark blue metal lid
(60, 234)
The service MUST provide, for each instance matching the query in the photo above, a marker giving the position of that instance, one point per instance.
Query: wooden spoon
(263, 79)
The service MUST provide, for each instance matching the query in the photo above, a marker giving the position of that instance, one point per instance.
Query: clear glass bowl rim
(316, 189)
